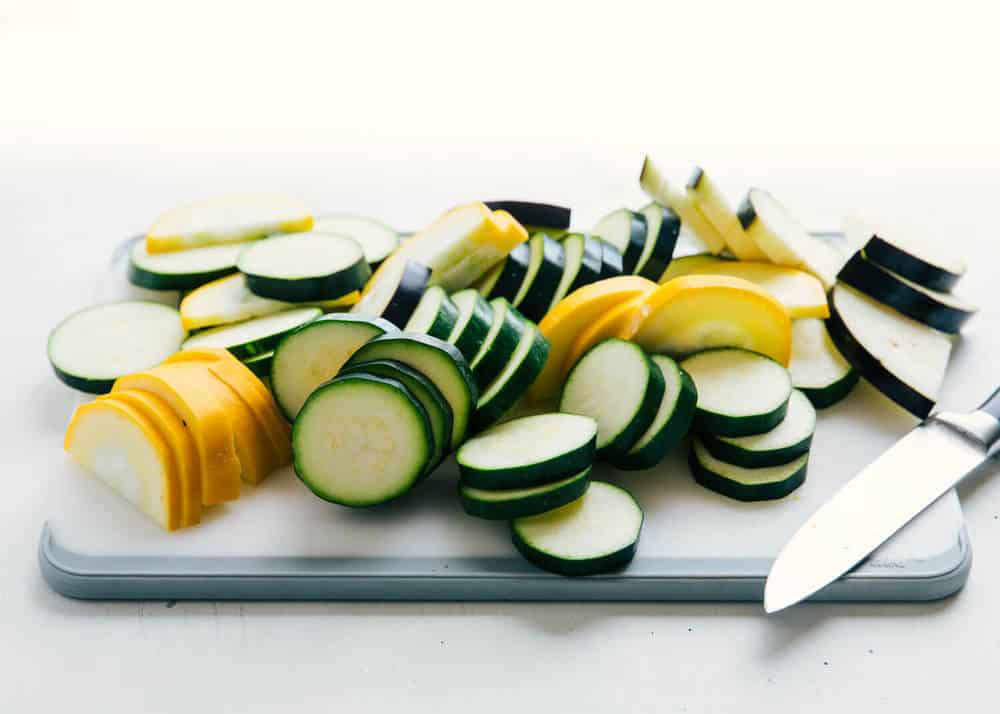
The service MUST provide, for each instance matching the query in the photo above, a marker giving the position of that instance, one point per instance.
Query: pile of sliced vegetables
(367, 360)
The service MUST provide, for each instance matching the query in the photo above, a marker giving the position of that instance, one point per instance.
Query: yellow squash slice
(696, 312)
(575, 313)
(227, 219)
(178, 437)
(713, 205)
(620, 321)
(120, 446)
(656, 186)
(209, 424)
(797, 290)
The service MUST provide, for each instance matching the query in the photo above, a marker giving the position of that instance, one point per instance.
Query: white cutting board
(683, 520)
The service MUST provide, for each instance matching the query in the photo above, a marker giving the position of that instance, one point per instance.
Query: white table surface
(112, 111)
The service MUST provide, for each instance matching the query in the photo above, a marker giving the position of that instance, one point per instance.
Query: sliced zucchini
(484, 286)
(304, 267)
(902, 358)
(591, 262)
(499, 343)
(182, 269)
(528, 451)
(91, 348)
(672, 420)
(512, 275)
(917, 262)
(573, 246)
(529, 213)
(260, 365)
(376, 239)
(612, 262)
(361, 440)
(739, 392)
(662, 228)
(473, 323)
(597, 533)
(437, 360)
(939, 310)
(253, 337)
(690, 253)
(817, 368)
(548, 261)
(228, 300)
(503, 505)
(314, 353)
(397, 293)
(522, 368)
(617, 385)
(435, 315)
(438, 411)
(783, 239)
(781, 445)
(626, 231)
(656, 186)
(762, 484)
(709, 200)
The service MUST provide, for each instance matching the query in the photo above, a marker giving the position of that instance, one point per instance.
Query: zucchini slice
(672, 420)
(484, 286)
(743, 484)
(499, 343)
(503, 505)
(626, 231)
(435, 315)
(510, 385)
(437, 360)
(817, 368)
(656, 186)
(781, 445)
(361, 440)
(376, 239)
(939, 310)
(182, 269)
(260, 365)
(314, 353)
(902, 358)
(513, 273)
(709, 200)
(528, 451)
(304, 267)
(253, 337)
(548, 261)
(473, 323)
(662, 228)
(397, 293)
(438, 412)
(529, 213)
(597, 533)
(91, 348)
(591, 262)
(573, 247)
(739, 392)
(617, 385)
(783, 239)
(918, 263)
(613, 264)
(690, 253)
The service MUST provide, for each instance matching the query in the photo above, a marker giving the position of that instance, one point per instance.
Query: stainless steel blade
(870, 508)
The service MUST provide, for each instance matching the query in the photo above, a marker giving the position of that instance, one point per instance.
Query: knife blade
(885, 496)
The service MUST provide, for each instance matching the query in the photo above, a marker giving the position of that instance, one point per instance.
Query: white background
(112, 111)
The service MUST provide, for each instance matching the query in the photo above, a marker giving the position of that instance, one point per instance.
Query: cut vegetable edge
(542, 282)
(499, 344)
(376, 239)
(180, 270)
(571, 540)
(475, 317)
(788, 441)
(524, 365)
(255, 336)
(742, 484)
(817, 368)
(435, 315)
(512, 503)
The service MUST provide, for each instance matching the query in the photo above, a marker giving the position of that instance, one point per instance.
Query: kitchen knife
(880, 500)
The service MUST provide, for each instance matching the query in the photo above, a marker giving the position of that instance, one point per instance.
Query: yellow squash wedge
(801, 293)
(713, 205)
(228, 300)
(178, 437)
(656, 186)
(575, 313)
(620, 321)
(696, 312)
(246, 384)
(120, 446)
(209, 424)
(227, 219)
